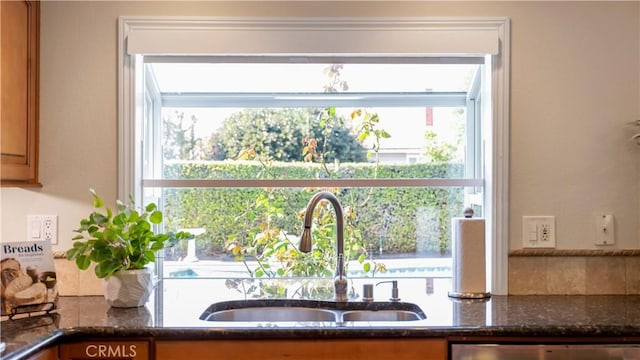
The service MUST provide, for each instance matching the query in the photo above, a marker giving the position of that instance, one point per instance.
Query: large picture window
(233, 145)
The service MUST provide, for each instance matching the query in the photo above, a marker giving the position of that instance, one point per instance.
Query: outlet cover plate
(539, 232)
(42, 227)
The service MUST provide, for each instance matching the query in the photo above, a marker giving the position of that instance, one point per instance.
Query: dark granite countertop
(173, 313)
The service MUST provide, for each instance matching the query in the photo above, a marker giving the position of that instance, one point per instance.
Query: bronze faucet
(340, 282)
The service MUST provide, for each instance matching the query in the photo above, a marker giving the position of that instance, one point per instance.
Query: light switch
(35, 228)
(532, 232)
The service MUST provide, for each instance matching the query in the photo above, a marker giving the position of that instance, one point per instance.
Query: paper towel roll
(468, 255)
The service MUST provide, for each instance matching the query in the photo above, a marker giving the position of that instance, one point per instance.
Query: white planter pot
(128, 288)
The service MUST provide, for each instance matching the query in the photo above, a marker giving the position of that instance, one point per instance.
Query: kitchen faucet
(340, 282)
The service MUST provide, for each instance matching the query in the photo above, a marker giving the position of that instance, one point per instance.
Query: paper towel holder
(481, 295)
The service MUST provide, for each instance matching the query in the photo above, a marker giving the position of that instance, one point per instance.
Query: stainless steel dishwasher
(544, 352)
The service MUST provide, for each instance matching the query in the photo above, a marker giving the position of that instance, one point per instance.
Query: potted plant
(122, 245)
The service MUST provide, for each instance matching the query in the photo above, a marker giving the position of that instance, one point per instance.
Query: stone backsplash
(574, 272)
(73, 281)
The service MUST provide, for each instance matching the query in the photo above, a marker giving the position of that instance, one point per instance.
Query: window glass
(239, 149)
(310, 78)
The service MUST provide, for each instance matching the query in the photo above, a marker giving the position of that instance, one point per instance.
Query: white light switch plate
(42, 227)
(538, 232)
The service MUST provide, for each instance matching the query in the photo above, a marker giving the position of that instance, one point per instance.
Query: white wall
(575, 83)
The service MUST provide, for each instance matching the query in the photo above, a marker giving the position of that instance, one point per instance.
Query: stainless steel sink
(272, 313)
(311, 310)
(381, 315)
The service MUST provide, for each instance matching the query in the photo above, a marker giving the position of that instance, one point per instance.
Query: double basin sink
(279, 310)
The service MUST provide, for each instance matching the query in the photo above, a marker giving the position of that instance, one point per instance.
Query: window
(233, 142)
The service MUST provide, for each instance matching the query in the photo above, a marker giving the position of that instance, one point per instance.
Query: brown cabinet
(50, 353)
(308, 349)
(106, 350)
(19, 62)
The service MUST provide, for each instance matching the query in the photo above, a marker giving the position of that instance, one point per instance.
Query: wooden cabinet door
(50, 353)
(19, 61)
(307, 349)
(107, 350)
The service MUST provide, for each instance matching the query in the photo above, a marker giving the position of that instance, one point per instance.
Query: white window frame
(418, 36)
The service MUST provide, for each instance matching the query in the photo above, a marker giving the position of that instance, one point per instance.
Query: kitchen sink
(311, 311)
(272, 313)
(381, 315)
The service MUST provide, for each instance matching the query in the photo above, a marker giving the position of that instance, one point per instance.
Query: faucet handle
(394, 289)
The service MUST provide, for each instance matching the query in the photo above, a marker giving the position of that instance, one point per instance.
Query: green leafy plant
(121, 241)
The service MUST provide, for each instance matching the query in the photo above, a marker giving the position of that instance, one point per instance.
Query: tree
(436, 151)
(326, 139)
(280, 134)
(179, 141)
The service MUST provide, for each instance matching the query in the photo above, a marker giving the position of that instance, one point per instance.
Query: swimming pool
(396, 268)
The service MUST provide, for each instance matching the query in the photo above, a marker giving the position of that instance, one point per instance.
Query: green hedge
(391, 220)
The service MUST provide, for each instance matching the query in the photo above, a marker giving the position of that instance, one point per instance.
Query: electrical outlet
(545, 232)
(42, 227)
(538, 232)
